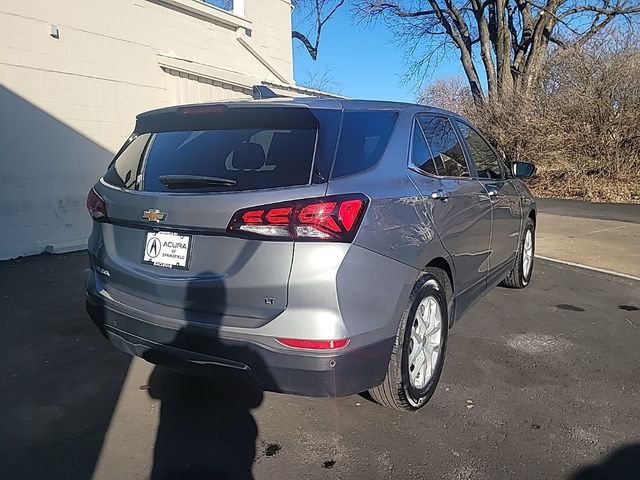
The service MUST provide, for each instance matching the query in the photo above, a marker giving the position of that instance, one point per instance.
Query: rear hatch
(172, 190)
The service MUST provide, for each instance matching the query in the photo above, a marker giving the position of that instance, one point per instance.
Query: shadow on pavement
(206, 429)
(60, 379)
(621, 464)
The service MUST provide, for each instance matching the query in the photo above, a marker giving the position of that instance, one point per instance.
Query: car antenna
(260, 92)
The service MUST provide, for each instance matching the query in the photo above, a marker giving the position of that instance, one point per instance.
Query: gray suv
(317, 246)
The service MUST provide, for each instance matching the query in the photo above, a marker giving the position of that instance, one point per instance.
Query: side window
(363, 140)
(123, 171)
(487, 162)
(420, 154)
(445, 147)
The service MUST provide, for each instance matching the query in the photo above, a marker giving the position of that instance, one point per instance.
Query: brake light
(314, 344)
(96, 206)
(202, 109)
(334, 218)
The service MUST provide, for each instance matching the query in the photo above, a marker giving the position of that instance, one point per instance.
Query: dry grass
(592, 188)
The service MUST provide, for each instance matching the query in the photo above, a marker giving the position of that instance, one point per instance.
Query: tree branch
(312, 48)
(313, 51)
(379, 7)
(330, 14)
(602, 11)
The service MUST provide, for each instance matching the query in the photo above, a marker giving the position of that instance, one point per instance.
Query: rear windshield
(263, 152)
(249, 149)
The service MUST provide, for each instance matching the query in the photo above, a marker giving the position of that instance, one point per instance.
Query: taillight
(95, 205)
(334, 218)
(314, 344)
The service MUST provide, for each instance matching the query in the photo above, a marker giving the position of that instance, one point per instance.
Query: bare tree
(319, 12)
(504, 41)
(324, 81)
(450, 93)
(581, 126)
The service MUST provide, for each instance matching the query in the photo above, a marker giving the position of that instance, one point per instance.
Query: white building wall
(67, 104)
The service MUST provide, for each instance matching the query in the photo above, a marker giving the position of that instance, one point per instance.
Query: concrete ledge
(229, 77)
(65, 247)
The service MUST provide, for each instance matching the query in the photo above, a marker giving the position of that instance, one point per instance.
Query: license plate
(167, 249)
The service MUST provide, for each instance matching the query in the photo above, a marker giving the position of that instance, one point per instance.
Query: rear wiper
(195, 181)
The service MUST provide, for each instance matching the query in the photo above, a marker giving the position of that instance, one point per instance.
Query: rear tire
(419, 350)
(520, 275)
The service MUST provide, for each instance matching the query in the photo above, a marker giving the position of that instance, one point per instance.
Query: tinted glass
(363, 139)
(446, 150)
(251, 148)
(487, 162)
(420, 153)
(254, 158)
(124, 170)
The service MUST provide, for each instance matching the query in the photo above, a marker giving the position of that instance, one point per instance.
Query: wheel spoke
(433, 329)
(435, 353)
(418, 369)
(425, 371)
(420, 317)
(414, 351)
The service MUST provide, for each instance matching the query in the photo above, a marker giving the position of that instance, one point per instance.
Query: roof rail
(261, 91)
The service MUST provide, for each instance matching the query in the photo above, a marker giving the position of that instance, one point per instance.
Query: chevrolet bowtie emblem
(154, 215)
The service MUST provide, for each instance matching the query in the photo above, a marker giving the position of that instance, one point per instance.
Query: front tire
(520, 275)
(421, 341)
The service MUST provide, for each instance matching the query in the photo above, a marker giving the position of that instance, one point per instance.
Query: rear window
(268, 152)
(363, 140)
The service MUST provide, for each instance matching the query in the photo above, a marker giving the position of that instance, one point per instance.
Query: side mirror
(522, 169)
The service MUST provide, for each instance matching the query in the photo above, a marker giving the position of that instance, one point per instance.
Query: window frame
(467, 152)
(235, 18)
(415, 124)
(412, 166)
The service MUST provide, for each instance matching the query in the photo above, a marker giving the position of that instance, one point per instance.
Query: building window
(222, 4)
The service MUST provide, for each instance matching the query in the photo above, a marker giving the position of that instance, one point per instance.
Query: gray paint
(321, 290)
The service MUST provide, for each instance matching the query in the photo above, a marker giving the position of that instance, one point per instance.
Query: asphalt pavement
(538, 383)
(619, 212)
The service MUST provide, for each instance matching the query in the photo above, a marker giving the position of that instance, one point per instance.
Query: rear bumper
(203, 351)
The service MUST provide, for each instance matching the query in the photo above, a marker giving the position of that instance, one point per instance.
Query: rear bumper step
(206, 354)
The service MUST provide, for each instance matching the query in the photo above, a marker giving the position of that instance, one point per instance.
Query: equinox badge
(154, 215)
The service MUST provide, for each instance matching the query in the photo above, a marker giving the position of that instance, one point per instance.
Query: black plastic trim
(339, 373)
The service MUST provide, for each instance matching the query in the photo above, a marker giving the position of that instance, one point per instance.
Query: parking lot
(539, 383)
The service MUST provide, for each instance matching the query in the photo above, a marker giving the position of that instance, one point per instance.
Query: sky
(363, 61)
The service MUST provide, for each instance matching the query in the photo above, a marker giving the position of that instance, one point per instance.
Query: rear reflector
(334, 218)
(314, 344)
(95, 205)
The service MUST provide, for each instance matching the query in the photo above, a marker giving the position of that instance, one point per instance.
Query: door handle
(441, 195)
